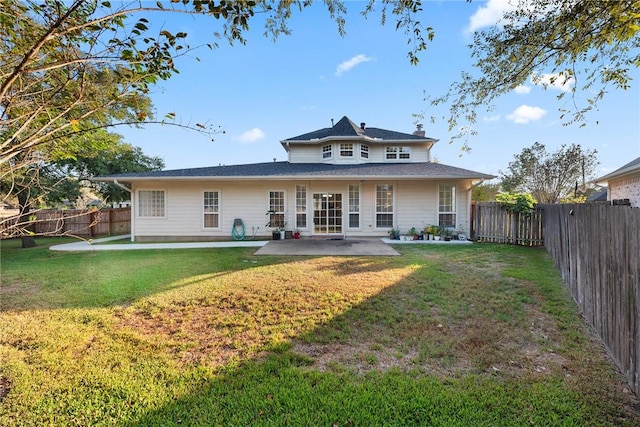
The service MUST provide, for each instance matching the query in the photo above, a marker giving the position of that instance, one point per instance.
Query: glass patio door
(327, 213)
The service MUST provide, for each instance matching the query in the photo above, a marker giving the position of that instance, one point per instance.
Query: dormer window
(346, 150)
(364, 151)
(398, 153)
(326, 152)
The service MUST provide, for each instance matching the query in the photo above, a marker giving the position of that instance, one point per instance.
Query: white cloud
(522, 90)
(525, 114)
(252, 135)
(350, 63)
(560, 81)
(489, 14)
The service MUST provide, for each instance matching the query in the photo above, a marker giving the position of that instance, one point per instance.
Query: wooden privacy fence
(597, 250)
(491, 223)
(83, 223)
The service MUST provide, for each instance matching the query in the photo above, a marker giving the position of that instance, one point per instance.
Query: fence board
(491, 223)
(82, 223)
(597, 250)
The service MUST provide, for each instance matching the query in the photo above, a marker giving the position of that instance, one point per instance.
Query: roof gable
(347, 128)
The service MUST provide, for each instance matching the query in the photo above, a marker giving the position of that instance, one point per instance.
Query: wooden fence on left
(76, 222)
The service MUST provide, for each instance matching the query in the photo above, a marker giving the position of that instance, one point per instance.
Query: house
(623, 184)
(345, 180)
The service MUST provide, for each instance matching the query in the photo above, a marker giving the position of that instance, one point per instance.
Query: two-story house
(342, 181)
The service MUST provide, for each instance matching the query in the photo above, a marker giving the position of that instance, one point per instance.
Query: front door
(327, 213)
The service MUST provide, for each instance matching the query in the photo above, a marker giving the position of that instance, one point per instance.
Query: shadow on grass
(438, 337)
(408, 356)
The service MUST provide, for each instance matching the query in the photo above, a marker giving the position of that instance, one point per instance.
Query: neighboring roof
(286, 170)
(631, 167)
(600, 196)
(346, 128)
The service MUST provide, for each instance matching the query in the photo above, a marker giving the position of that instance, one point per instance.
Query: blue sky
(264, 92)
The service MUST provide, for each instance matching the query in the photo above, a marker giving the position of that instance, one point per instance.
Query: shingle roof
(632, 166)
(346, 128)
(286, 170)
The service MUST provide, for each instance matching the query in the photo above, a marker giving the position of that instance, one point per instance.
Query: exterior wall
(415, 204)
(626, 188)
(304, 153)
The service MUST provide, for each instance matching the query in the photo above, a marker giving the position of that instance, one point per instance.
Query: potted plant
(434, 232)
(394, 233)
(277, 232)
(445, 234)
(413, 232)
(461, 234)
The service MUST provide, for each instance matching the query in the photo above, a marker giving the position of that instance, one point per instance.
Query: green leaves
(520, 203)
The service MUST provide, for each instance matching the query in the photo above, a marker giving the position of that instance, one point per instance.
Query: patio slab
(342, 247)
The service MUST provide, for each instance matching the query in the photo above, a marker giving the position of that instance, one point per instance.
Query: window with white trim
(326, 152)
(301, 206)
(151, 203)
(384, 206)
(346, 149)
(211, 205)
(354, 206)
(276, 209)
(447, 205)
(398, 153)
(364, 151)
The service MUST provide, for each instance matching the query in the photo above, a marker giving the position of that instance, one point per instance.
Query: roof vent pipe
(362, 125)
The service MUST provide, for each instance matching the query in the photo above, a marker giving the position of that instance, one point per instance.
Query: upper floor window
(151, 203)
(346, 150)
(326, 152)
(398, 153)
(364, 151)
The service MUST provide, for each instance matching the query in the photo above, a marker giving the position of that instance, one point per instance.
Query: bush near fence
(81, 223)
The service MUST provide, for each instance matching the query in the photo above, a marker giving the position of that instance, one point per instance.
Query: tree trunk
(28, 240)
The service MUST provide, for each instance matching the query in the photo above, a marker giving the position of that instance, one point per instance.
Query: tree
(485, 192)
(119, 157)
(549, 177)
(71, 68)
(587, 45)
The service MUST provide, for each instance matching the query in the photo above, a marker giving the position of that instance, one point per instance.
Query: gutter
(470, 200)
(124, 187)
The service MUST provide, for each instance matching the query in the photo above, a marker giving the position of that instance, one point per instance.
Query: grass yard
(443, 335)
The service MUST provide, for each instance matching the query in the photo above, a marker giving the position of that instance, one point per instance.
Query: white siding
(305, 153)
(415, 206)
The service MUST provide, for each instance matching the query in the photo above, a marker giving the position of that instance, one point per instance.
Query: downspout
(469, 200)
(124, 187)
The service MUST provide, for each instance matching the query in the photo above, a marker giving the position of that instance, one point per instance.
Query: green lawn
(443, 335)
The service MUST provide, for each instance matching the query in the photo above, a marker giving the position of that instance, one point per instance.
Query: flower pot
(275, 235)
(282, 234)
(296, 235)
